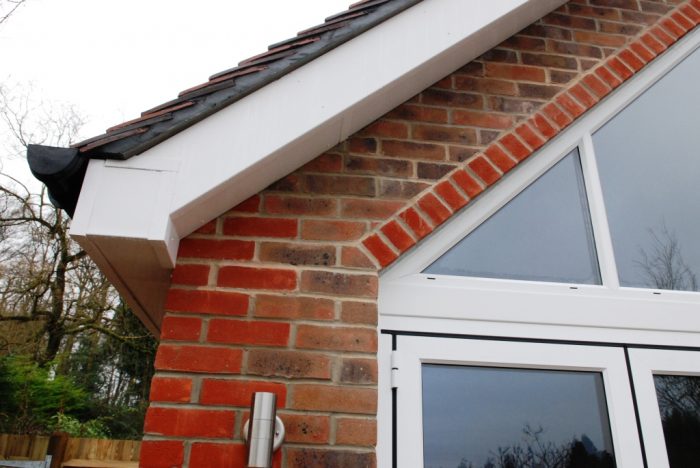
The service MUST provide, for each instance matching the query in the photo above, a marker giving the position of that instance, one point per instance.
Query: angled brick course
(280, 292)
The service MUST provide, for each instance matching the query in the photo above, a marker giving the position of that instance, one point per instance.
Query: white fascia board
(177, 186)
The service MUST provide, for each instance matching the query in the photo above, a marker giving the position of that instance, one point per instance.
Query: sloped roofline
(131, 214)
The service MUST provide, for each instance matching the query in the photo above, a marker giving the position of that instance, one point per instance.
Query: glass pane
(679, 404)
(479, 417)
(543, 234)
(649, 162)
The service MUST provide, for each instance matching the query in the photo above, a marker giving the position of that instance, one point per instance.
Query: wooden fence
(70, 451)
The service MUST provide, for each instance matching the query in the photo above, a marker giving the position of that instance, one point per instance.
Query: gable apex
(202, 171)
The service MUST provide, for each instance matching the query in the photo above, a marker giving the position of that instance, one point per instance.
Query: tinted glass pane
(477, 417)
(649, 162)
(679, 404)
(543, 234)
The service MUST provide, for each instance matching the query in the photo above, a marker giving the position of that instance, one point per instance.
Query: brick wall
(279, 293)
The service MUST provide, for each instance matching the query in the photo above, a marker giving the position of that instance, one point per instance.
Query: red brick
(691, 13)
(294, 307)
(543, 126)
(359, 371)
(251, 205)
(608, 77)
(432, 207)
(171, 389)
(631, 60)
(297, 253)
(260, 227)
(189, 422)
(244, 332)
(257, 278)
(596, 85)
(651, 42)
(620, 68)
(482, 119)
(340, 185)
(209, 228)
(362, 145)
(285, 205)
(180, 328)
(625, 4)
(515, 72)
(603, 40)
(334, 398)
(642, 52)
(317, 458)
(556, 115)
(288, 364)
(498, 157)
(674, 28)
(661, 34)
(210, 455)
(238, 393)
(385, 129)
(359, 312)
(198, 359)
(343, 284)
(207, 302)
(391, 167)
(593, 12)
(161, 453)
(440, 97)
(570, 105)
(306, 428)
(529, 136)
(419, 113)
(398, 236)
(484, 170)
(485, 85)
(583, 96)
(381, 251)
(191, 275)
(416, 222)
(327, 162)
(355, 258)
(369, 208)
(355, 431)
(228, 249)
(336, 338)
(412, 150)
(441, 133)
(332, 230)
(468, 185)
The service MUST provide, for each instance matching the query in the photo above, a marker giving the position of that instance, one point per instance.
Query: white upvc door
(645, 365)
(414, 353)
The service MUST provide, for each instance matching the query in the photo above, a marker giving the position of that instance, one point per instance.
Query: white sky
(114, 59)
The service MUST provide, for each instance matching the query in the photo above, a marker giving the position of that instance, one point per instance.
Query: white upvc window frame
(414, 351)
(411, 300)
(645, 363)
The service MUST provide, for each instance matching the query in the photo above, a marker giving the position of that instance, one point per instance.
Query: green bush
(31, 397)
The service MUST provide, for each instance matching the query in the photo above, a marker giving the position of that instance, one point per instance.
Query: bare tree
(7, 7)
(46, 279)
(662, 263)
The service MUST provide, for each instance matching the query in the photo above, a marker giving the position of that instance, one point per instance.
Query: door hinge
(394, 369)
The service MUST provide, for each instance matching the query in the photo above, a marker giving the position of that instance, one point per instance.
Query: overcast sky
(114, 59)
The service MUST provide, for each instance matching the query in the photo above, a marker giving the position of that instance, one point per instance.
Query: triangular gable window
(648, 159)
(543, 234)
(641, 169)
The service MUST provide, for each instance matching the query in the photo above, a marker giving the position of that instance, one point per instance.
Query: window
(607, 333)
(542, 234)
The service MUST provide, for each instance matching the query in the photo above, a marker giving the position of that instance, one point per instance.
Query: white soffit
(177, 186)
